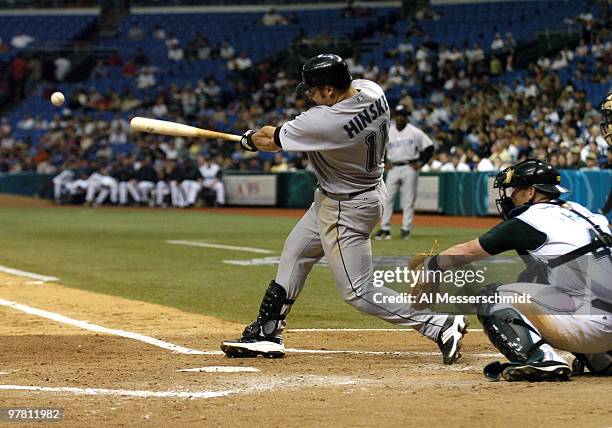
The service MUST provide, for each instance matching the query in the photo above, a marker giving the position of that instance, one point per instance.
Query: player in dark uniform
(146, 176)
(126, 176)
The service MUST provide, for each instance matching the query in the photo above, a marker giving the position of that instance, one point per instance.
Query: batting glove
(247, 141)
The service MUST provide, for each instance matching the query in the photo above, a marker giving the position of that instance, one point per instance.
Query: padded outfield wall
(452, 193)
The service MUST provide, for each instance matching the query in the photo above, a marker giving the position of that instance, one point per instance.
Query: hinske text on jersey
(362, 119)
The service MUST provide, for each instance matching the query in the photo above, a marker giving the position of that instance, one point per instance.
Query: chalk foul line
(119, 392)
(221, 369)
(23, 273)
(256, 386)
(93, 327)
(183, 350)
(218, 246)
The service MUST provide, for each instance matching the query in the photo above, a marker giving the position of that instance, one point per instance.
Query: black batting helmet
(606, 118)
(325, 69)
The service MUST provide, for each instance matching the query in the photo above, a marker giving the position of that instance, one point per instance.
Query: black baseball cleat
(250, 348)
(404, 234)
(382, 234)
(538, 371)
(449, 339)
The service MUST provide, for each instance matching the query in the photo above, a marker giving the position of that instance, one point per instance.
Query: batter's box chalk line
(99, 329)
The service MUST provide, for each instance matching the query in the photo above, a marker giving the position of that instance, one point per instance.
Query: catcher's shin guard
(508, 331)
(520, 342)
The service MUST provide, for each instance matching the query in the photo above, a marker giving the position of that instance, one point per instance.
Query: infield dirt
(404, 384)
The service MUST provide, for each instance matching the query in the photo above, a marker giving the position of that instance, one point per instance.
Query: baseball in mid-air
(57, 99)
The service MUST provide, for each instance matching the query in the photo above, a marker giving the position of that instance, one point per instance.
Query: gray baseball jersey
(346, 145)
(345, 142)
(406, 145)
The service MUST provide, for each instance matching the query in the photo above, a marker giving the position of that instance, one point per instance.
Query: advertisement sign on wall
(428, 193)
(250, 189)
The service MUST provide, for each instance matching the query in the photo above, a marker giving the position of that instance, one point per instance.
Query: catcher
(567, 250)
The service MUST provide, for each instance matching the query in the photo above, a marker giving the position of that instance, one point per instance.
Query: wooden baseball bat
(163, 127)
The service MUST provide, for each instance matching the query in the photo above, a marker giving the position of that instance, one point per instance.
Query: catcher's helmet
(531, 172)
(606, 118)
(325, 69)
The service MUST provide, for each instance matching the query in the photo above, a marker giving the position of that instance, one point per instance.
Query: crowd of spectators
(457, 95)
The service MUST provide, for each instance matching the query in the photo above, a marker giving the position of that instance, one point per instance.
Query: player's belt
(404, 163)
(344, 196)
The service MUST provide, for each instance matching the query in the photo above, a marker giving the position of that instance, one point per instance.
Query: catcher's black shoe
(382, 234)
(539, 371)
(404, 234)
(250, 348)
(449, 339)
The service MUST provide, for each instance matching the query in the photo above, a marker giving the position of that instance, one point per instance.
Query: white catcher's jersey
(567, 231)
(406, 145)
(345, 142)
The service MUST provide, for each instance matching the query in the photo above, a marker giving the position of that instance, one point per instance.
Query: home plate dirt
(108, 379)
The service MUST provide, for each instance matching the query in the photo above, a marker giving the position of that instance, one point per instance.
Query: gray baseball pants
(340, 231)
(405, 178)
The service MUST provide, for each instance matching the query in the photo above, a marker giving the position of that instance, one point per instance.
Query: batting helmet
(606, 118)
(325, 69)
(531, 172)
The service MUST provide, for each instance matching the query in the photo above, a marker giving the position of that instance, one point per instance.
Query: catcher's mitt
(417, 262)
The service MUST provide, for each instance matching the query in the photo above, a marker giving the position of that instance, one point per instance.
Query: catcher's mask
(606, 118)
(529, 173)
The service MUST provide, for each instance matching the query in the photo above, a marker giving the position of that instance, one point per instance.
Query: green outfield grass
(123, 253)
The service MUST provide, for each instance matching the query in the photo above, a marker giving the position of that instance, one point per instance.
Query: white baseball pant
(567, 322)
(191, 189)
(145, 188)
(126, 187)
(108, 186)
(93, 186)
(60, 183)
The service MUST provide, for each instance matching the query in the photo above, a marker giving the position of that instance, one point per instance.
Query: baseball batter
(345, 136)
(568, 276)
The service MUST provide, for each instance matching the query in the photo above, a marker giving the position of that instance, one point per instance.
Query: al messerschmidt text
(437, 298)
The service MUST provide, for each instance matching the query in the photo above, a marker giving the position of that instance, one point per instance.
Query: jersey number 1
(376, 150)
